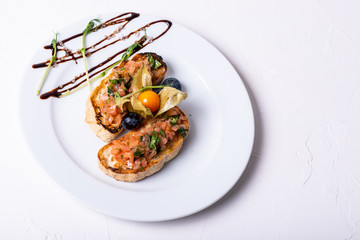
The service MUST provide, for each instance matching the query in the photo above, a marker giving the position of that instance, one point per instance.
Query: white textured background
(300, 61)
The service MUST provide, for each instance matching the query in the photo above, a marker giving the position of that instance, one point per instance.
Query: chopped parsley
(182, 131)
(141, 138)
(137, 153)
(154, 141)
(110, 90)
(157, 64)
(174, 119)
(154, 133)
(154, 64)
(117, 80)
(162, 133)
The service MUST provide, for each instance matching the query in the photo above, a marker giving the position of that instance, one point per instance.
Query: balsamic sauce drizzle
(69, 55)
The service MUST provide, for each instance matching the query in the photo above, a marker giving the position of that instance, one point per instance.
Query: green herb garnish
(182, 131)
(154, 64)
(157, 64)
(154, 133)
(162, 133)
(141, 138)
(137, 153)
(110, 90)
(52, 60)
(116, 81)
(130, 50)
(92, 26)
(117, 96)
(154, 141)
(174, 119)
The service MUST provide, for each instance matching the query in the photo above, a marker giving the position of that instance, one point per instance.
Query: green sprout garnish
(124, 57)
(52, 60)
(92, 26)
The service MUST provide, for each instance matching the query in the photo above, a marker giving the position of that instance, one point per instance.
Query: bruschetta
(142, 152)
(102, 114)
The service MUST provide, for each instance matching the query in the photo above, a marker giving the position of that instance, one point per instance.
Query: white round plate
(211, 161)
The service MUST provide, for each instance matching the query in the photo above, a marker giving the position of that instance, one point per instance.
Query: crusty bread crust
(92, 112)
(153, 166)
(98, 129)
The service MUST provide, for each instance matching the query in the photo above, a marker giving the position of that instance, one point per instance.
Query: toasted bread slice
(117, 167)
(108, 127)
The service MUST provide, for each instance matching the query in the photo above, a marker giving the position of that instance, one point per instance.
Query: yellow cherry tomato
(150, 100)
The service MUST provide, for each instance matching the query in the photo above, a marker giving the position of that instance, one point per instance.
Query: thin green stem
(142, 89)
(43, 78)
(85, 63)
(80, 87)
(53, 59)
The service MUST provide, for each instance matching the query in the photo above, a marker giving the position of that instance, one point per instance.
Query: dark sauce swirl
(123, 19)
